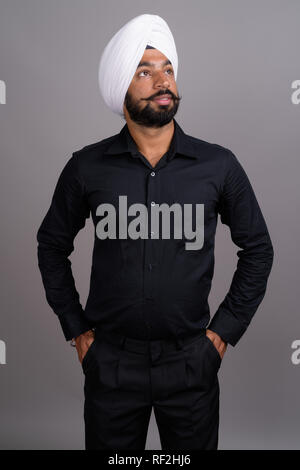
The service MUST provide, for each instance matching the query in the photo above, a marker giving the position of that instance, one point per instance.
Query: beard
(148, 116)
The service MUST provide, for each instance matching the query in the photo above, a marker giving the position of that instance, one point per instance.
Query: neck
(151, 142)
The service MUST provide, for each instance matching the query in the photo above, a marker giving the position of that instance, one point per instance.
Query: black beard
(148, 116)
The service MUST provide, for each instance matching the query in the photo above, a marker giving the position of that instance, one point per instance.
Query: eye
(147, 72)
(143, 71)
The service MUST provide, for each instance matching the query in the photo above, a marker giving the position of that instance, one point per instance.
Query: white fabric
(124, 51)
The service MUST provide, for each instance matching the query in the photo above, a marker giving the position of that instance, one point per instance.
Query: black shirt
(154, 288)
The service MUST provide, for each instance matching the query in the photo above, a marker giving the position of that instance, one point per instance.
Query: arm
(66, 216)
(239, 210)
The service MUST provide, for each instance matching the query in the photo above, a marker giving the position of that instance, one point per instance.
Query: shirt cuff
(227, 326)
(74, 324)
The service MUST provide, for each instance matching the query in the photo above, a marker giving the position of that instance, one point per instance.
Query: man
(143, 338)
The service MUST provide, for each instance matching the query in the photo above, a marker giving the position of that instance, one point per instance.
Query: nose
(161, 80)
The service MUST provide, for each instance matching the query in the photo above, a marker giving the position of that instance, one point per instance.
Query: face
(150, 82)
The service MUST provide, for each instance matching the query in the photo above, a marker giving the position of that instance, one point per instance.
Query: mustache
(166, 92)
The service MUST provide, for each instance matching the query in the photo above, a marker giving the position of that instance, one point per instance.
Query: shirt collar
(181, 144)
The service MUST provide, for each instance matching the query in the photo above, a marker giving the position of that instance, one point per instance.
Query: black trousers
(125, 378)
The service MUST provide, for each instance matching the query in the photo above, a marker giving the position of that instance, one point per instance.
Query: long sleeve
(240, 211)
(66, 216)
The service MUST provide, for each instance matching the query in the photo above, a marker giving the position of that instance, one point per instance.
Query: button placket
(149, 253)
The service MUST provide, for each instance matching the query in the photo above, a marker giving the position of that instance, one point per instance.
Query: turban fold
(124, 51)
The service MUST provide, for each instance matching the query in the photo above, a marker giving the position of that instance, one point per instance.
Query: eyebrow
(151, 64)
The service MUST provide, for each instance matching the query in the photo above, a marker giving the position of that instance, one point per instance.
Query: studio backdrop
(239, 78)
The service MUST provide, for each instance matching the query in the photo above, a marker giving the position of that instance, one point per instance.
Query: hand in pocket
(217, 342)
(83, 344)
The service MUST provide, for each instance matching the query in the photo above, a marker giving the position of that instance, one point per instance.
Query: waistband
(144, 346)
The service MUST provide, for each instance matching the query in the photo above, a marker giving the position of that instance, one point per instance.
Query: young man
(143, 338)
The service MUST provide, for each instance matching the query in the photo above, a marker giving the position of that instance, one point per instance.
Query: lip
(163, 99)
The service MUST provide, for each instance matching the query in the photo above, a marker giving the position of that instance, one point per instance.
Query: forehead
(153, 55)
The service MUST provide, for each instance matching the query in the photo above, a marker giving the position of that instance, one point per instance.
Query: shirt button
(152, 233)
(152, 173)
(152, 203)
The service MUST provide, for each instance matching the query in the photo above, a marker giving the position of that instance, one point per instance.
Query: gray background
(237, 60)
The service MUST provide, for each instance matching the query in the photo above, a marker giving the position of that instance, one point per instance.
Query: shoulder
(89, 157)
(216, 153)
(95, 147)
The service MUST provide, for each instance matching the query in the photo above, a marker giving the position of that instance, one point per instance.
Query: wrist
(88, 333)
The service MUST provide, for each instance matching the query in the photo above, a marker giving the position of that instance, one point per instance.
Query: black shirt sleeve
(239, 210)
(66, 216)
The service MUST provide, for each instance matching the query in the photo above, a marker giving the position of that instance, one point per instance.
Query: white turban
(124, 51)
